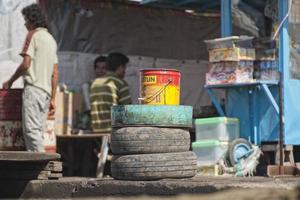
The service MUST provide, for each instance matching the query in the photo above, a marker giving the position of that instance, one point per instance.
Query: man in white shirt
(40, 72)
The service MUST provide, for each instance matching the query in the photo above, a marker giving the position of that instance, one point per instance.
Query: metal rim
(240, 150)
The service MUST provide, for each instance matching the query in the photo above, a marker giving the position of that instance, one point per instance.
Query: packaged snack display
(266, 54)
(266, 70)
(231, 60)
(230, 72)
(231, 54)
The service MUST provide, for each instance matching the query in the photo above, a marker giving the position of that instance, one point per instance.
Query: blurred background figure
(100, 71)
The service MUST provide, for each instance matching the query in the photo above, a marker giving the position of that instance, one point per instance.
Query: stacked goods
(266, 70)
(229, 72)
(151, 142)
(231, 60)
(231, 54)
(266, 65)
(265, 53)
(213, 136)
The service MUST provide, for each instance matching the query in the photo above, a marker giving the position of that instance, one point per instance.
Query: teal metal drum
(152, 115)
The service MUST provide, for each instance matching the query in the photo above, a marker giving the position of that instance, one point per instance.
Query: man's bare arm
(53, 91)
(19, 72)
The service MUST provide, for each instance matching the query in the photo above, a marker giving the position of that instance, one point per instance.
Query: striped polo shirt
(106, 92)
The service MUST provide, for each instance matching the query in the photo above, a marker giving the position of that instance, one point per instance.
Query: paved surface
(106, 188)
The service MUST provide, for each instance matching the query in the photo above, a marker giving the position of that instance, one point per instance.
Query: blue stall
(256, 104)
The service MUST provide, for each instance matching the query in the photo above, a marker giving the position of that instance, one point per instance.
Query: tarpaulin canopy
(151, 37)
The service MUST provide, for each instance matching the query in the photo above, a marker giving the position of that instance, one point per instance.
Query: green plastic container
(209, 152)
(217, 128)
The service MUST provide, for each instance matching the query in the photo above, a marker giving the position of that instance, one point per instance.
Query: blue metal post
(226, 24)
(270, 97)
(283, 6)
(255, 110)
(251, 114)
(284, 40)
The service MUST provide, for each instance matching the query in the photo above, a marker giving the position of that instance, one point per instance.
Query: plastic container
(209, 152)
(217, 128)
(230, 42)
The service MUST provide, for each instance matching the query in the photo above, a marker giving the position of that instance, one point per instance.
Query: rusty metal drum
(11, 136)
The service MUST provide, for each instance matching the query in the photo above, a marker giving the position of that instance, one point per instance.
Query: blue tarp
(258, 118)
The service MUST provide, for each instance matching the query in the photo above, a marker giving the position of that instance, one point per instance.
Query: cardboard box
(231, 54)
(68, 105)
(230, 72)
(212, 170)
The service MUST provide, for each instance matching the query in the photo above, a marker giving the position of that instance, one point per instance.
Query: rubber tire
(175, 116)
(154, 166)
(144, 140)
(231, 149)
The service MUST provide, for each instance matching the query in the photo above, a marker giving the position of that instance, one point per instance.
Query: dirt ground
(199, 187)
(232, 194)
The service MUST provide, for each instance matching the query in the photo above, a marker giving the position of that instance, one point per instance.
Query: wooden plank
(22, 174)
(27, 156)
(55, 176)
(274, 170)
(102, 157)
(274, 147)
(28, 175)
(55, 166)
(269, 147)
(45, 175)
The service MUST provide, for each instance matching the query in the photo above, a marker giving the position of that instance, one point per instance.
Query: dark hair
(34, 15)
(99, 59)
(115, 59)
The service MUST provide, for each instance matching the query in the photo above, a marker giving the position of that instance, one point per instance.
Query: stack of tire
(151, 142)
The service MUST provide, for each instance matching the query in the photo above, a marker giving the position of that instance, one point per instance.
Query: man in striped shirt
(107, 91)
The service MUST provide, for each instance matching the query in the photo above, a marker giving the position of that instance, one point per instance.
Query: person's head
(100, 66)
(33, 16)
(117, 62)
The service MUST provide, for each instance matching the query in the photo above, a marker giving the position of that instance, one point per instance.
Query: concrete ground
(207, 187)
